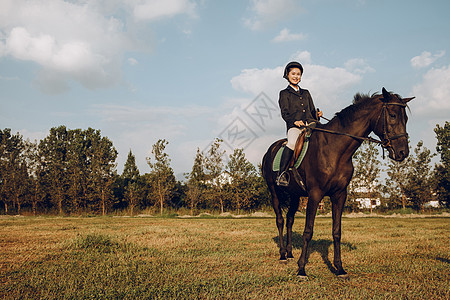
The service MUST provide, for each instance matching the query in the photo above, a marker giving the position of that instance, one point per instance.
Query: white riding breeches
(292, 136)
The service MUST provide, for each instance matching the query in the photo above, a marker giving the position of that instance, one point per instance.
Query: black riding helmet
(289, 66)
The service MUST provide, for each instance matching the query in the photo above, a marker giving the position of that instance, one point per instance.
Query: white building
(365, 202)
(432, 204)
(368, 203)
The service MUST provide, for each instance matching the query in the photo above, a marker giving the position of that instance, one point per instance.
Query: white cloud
(358, 65)
(304, 57)
(431, 106)
(132, 61)
(255, 81)
(433, 94)
(80, 41)
(327, 85)
(69, 41)
(426, 59)
(286, 36)
(267, 12)
(150, 10)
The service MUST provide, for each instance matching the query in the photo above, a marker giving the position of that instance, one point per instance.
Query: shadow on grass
(321, 246)
(442, 259)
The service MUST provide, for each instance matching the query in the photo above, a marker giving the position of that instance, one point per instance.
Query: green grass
(214, 258)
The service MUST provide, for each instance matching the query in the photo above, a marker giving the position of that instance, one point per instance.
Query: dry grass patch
(159, 258)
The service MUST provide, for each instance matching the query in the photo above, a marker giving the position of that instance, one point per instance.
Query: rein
(369, 139)
(386, 143)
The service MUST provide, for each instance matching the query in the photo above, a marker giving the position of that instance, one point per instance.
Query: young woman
(298, 110)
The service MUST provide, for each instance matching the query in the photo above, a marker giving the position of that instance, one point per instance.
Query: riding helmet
(289, 66)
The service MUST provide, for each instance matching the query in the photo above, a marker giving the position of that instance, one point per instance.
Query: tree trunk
(34, 203)
(103, 202)
(18, 205)
(59, 202)
(161, 198)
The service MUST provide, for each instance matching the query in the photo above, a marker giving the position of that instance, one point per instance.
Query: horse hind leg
(281, 245)
(290, 217)
(280, 223)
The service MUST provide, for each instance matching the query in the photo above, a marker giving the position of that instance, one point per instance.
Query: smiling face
(294, 76)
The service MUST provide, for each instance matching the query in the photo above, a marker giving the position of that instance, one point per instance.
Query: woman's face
(294, 75)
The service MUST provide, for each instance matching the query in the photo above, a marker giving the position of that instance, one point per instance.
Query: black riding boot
(283, 176)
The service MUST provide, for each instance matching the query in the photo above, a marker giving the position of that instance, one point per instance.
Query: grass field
(219, 258)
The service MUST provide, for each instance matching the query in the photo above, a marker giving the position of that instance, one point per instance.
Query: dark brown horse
(327, 167)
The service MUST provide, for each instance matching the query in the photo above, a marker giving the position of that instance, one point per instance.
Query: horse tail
(263, 164)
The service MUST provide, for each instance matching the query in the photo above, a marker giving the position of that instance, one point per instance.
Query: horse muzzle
(398, 152)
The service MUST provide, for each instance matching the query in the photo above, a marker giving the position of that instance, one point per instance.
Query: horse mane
(346, 115)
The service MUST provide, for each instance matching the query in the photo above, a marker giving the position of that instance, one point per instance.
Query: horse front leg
(338, 201)
(311, 209)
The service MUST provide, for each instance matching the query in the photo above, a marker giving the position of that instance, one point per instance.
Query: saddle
(301, 146)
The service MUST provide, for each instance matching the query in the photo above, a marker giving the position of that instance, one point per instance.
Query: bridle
(386, 139)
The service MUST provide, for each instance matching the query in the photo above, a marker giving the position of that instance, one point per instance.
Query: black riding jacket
(296, 106)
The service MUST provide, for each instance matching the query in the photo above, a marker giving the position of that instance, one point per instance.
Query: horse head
(390, 126)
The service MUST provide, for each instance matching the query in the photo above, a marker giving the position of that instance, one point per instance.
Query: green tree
(77, 171)
(53, 151)
(35, 170)
(196, 181)
(102, 168)
(13, 169)
(419, 187)
(78, 168)
(243, 185)
(214, 167)
(364, 183)
(162, 175)
(442, 169)
(131, 180)
(396, 183)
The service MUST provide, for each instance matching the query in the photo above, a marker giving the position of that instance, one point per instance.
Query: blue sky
(189, 71)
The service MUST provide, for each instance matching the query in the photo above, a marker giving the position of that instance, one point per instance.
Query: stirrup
(283, 179)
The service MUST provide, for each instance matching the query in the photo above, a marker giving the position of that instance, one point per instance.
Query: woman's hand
(299, 123)
(319, 113)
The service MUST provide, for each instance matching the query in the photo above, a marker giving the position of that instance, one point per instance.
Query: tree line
(408, 184)
(73, 171)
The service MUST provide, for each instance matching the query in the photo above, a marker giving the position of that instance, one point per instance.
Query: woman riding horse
(298, 111)
(327, 166)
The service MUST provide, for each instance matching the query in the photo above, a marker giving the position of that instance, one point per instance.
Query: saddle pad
(277, 159)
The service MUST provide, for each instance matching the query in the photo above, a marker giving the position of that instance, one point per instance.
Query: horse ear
(386, 95)
(408, 99)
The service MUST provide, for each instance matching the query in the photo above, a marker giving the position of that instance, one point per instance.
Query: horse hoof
(343, 276)
(301, 274)
(302, 277)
